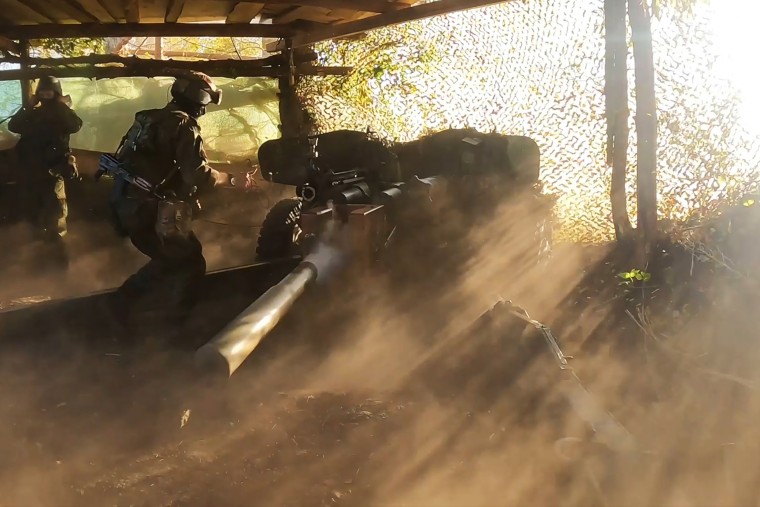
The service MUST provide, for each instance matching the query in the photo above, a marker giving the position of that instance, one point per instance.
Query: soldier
(164, 147)
(43, 150)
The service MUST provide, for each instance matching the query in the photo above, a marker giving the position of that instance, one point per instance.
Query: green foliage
(635, 275)
(386, 64)
(69, 47)
(192, 47)
(231, 47)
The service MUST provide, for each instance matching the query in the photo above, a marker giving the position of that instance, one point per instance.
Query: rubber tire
(279, 231)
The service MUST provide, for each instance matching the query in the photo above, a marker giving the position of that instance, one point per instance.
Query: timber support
(26, 82)
(291, 113)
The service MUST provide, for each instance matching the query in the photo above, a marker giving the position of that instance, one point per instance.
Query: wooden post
(159, 53)
(290, 108)
(26, 84)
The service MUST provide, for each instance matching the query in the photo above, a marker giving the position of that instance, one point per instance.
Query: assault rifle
(111, 166)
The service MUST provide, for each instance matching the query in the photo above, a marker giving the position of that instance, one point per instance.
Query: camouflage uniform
(44, 154)
(164, 146)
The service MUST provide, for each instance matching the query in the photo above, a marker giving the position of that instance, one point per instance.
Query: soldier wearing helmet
(43, 151)
(165, 148)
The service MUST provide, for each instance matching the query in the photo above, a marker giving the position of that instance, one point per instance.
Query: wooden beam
(26, 82)
(60, 31)
(132, 11)
(156, 68)
(35, 10)
(194, 55)
(106, 7)
(158, 54)
(376, 6)
(174, 11)
(96, 9)
(244, 12)
(60, 8)
(417, 12)
(294, 14)
(269, 61)
(76, 11)
(10, 46)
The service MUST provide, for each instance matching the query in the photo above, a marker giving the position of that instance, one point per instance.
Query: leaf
(636, 274)
(185, 419)
(747, 203)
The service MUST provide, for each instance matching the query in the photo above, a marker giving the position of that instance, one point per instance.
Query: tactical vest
(141, 150)
(44, 143)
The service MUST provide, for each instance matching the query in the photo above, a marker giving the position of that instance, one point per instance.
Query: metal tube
(227, 350)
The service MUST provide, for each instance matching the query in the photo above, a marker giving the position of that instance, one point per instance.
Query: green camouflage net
(536, 68)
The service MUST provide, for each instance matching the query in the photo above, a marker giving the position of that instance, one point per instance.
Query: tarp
(247, 117)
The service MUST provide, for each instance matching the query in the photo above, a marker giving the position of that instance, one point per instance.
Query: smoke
(449, 441)
(330, 252)
(378, 390)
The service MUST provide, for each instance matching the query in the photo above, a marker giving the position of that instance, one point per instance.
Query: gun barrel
(227, 350)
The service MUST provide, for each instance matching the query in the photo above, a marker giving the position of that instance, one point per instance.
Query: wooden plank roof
(282, 12)
(305, 21)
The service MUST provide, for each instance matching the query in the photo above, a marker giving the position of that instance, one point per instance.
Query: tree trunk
(616, 104)
(646, 121)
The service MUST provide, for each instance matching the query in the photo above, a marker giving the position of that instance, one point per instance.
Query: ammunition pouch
(174, 219)
(66, 168)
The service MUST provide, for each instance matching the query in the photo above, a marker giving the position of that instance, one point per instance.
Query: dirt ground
(377, 389)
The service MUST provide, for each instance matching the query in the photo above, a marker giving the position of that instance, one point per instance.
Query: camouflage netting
(536, 68)
(247, 117)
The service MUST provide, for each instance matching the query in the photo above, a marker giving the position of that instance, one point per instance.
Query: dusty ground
(376, 391)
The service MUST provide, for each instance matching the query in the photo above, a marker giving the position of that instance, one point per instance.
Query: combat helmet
(195, 88)
(48, 88)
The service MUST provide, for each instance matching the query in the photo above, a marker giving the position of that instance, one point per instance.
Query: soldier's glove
(72, 168)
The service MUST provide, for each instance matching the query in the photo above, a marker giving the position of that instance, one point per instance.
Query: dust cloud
(387, 388)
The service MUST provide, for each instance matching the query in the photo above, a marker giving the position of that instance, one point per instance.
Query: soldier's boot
(52, 231)
(184, 287)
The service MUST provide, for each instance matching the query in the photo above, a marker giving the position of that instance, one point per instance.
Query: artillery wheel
(280, 231)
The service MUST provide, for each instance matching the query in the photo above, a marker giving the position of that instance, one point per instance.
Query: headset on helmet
(48, 88)
(196, 88)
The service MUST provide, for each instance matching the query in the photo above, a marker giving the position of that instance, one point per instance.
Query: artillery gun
(359, 175)
(369, 190)
(345, 170)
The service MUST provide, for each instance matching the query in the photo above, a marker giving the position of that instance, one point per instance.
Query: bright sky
(735, 24)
